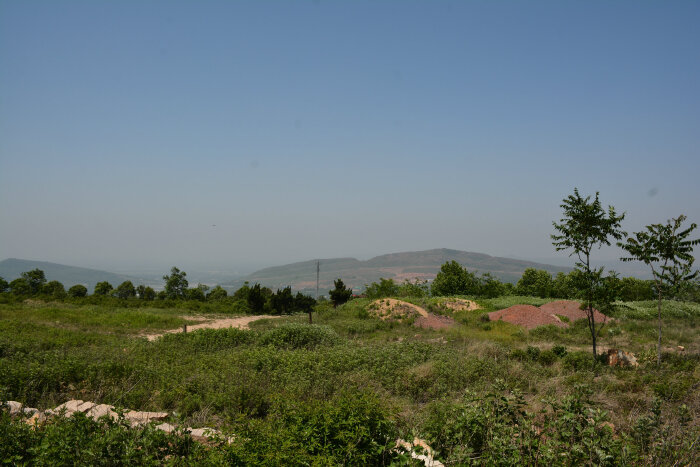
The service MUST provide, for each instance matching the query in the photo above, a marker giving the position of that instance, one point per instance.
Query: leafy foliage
(453, 279)
(77, 291)
(175, 284)
(586, 225)
(340, 294)
(103, 288)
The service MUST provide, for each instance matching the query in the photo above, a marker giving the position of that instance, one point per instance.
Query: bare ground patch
(240, 322)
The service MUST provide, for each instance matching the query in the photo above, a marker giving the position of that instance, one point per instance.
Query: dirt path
(241, 323)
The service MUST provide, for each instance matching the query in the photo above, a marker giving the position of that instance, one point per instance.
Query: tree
(103, 288)
(282, 302)
(77, 291)
(256, 299)
(125, 290)
(305, 304)
(535, 283)
(35, 280)
(145, 293)
(585, 226)
(54, 289)
(453, 279)
(20, 286)
(196, 293)
(634, 290)
(217, 293)
(668, 252)
(176, 284)
(490, 286)
(340, 294)
(3, 285)
(384, 288)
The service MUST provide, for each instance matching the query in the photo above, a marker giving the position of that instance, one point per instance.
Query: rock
(85, 407)
(102, 410)
(14, 406)
(67, 408)
(621, 358)
(141, 418)
(29, 411)
(426, 455)
(35, 420)
(166, 427)
(201, 434)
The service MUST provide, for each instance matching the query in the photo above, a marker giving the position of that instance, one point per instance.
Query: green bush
(578, 360)
(297, 336)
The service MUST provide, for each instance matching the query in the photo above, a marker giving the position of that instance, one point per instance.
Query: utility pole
(318, 271)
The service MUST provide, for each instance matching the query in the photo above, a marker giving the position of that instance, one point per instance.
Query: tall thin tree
(585, 226)
(665, 248)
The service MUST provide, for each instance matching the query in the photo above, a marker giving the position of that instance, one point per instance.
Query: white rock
(102, 410)
(15, 407)
(140, 418)
(166, 427)
(85, 407)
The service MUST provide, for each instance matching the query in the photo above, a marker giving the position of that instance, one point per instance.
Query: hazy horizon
(240, 135)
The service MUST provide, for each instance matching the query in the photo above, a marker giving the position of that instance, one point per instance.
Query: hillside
(11, 268)
(398, 266)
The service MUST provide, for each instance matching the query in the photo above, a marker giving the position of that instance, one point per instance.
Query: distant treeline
(248, 299)
(453, 279)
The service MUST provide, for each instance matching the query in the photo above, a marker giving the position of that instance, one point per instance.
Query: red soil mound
(571, 309)
(527, 316)
(433, 322)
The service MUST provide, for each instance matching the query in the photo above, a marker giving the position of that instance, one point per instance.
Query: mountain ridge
(400, 266)
(12, 268)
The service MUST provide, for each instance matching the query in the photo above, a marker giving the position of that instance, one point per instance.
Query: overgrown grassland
(341, 391)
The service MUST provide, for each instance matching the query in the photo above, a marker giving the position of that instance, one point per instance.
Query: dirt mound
(572, 310)
(390, 308)
(459, 304)
(527, 316)
(433, 322)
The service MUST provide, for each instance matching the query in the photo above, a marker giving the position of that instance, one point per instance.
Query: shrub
(296, 336)
(578, 360)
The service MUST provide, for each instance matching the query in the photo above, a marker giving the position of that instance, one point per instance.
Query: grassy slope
(49, 354)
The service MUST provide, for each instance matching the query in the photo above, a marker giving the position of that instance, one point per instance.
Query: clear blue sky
(128, 129)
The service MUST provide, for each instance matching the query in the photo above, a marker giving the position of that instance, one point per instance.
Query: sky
(241, 134)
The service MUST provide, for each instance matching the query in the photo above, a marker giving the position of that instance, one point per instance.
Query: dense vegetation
(343, 390)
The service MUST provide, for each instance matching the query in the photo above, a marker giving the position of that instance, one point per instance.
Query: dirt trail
(241, 323)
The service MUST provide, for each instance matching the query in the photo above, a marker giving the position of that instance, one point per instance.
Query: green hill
(11, 268)
(398, 266)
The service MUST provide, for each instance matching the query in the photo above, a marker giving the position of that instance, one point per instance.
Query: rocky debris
(527, 316)
(97, 411)
(424, 452)
(35, 420)
(141, 418)
(14, 406)
(621, 358)
(166, 427)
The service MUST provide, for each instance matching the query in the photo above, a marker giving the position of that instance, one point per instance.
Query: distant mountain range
(410, 265)
(12, 268)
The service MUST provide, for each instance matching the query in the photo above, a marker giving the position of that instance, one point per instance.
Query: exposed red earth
(530, 317)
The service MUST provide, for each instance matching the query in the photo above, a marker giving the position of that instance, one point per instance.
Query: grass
(271, 381)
